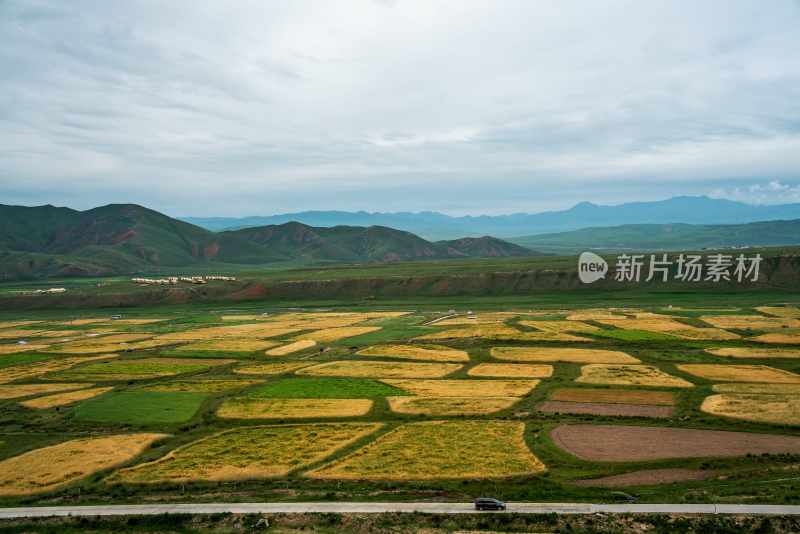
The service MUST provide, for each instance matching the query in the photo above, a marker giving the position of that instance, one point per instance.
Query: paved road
(354, 507)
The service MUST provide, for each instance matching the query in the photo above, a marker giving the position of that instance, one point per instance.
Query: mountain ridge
(438, 226)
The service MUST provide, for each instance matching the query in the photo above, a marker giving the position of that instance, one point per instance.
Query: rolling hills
(46, 241)
(667, 237)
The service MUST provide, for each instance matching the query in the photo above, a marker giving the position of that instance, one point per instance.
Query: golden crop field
(249, 453)
(439, 450)
(358, 369)
(270, 368)
(447, 406)
(51, 467)
(746, 352)
(499, 332)
(560, 326)
(774, 409)
(36, 369)
(478, 318)
(17, 333)
(139, 369)
(328, 335)
(465, 388)
(630, 375)
(558, 354)
(614, 396)
(199, 385)
(15, 391)
(228, 344)
(16, 347)
(511, 370)
(781, 339)
(63, 399)
(751, 322)
(594, 315)
(14, 324)
(740, 373)
(82, 322)
(668, 325)
(780, 311)
(295, 346)
(438, 353)
(765, 389)
(245, 408)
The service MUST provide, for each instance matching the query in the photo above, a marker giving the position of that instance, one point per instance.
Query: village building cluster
(174, 280)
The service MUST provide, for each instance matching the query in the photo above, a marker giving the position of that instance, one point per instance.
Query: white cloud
(465, 106)
(773, 192)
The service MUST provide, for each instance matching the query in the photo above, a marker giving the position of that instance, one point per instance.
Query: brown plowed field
(617, 443)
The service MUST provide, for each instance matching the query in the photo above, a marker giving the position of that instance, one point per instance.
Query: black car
(487, 503)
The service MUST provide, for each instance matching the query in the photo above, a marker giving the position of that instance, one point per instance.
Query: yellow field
(249, 453)
(139, 369)
(31, 370)
(271, 368)
(110, 343)
(358, 369)
(479, 318)
(13, 324)
(200, 385)
(256, 330)
(229, 344)
(614, 396)
(62, 399)
(781, 339)
(780, 311)
(773, 409)
(327, 335)
(15, 348)
(18, 333)
(81, 322)
(465, 388)
(292, 408)
(593, 315)
(560, 326)
(16, 391)
(764, 389)
(740, 373)
(751, 322)
(438, 353)
(545, 354)
(51, 467)
(665, 325)
(296, 346)
(138, 321)
(447, 406)
(499, 332)
(511, 370)
(738, 352)
(439, 450)
(630, 375)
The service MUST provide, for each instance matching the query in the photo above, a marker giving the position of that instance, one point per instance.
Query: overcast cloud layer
(236, 108)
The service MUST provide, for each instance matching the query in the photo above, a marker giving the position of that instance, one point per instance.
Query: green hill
(667, 237)
(125, 238)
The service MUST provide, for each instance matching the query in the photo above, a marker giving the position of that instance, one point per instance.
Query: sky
(463, 106)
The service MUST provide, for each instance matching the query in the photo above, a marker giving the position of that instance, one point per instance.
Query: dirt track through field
(612, 443)
(646, 477)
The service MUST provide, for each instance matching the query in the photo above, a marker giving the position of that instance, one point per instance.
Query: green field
(325, 388)
(140, 407)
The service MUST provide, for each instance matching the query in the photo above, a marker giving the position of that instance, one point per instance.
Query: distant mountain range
(126, 238)
(654, 237)
(432, 225)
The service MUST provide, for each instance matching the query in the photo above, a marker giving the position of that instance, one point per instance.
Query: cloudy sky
(495, 106)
